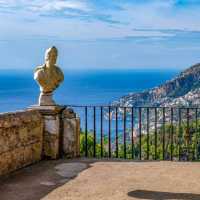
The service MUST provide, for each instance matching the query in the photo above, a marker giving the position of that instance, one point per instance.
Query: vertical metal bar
(86, 132)
(188, 115)
(101, 129)
(196, 129)
(132, 129)
(179, 137)
(94, 141)
(124, 132)
(116, 130)
(147, 133)
(163, 140)
(109, 132)
(188, 132)
(156, 133)
(172, 133)
(197, 136)
(140, 133)
(196, 119)
(188, 124)
(188, 118)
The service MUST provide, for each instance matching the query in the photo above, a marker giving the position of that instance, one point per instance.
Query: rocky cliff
(183, 90)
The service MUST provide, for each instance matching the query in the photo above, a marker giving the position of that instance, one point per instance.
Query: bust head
(51, 56)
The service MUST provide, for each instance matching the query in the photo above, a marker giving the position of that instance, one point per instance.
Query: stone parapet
(21, 139)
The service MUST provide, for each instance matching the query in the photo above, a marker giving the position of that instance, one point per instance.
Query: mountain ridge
(182, 90)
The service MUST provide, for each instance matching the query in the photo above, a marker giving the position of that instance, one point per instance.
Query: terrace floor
(103, 180)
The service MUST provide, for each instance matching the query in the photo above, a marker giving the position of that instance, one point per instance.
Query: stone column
(61, 134)
(71, 133)
(52, 116)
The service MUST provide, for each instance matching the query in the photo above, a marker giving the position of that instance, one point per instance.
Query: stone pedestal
(46, 99)
(52, 116)
(61, 131)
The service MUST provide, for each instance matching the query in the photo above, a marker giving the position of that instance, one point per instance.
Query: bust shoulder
(59, 72)
(39, 71)
(39, 68)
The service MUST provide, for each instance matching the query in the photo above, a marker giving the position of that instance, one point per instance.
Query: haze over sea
(18, 89)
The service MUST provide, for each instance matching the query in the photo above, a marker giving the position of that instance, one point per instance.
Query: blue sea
(18, 89)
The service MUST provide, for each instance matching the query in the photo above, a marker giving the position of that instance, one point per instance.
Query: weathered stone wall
(21, 140)
(71, 133)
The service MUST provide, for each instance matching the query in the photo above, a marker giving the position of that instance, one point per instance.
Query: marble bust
(48, 76)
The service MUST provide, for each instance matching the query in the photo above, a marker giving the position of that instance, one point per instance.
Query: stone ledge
(48, 110)
(8, 120)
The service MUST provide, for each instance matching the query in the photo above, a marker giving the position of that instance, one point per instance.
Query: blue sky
(107, 34)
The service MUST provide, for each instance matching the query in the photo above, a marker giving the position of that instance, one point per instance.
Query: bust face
(51, 58)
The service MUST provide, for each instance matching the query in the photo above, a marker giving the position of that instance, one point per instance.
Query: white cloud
(58, 5)
(45, 5)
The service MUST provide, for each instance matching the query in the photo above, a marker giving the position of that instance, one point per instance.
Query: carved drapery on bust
(49, 76)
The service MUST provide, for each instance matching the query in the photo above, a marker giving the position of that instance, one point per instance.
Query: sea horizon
(81, 87)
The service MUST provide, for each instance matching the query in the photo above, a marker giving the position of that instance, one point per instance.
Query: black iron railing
(141, 133)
